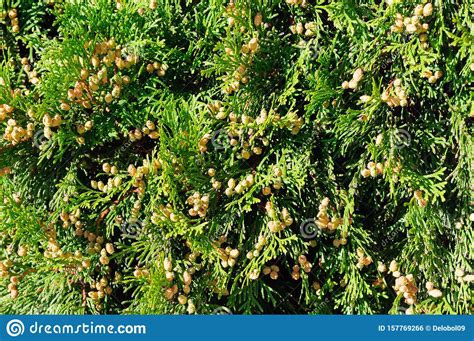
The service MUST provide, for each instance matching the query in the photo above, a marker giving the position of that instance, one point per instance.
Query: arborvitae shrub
(259, 156)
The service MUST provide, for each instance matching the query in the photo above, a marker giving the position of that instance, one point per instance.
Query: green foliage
(184, 156)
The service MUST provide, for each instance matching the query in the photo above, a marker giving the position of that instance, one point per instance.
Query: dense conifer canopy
(245, 156)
